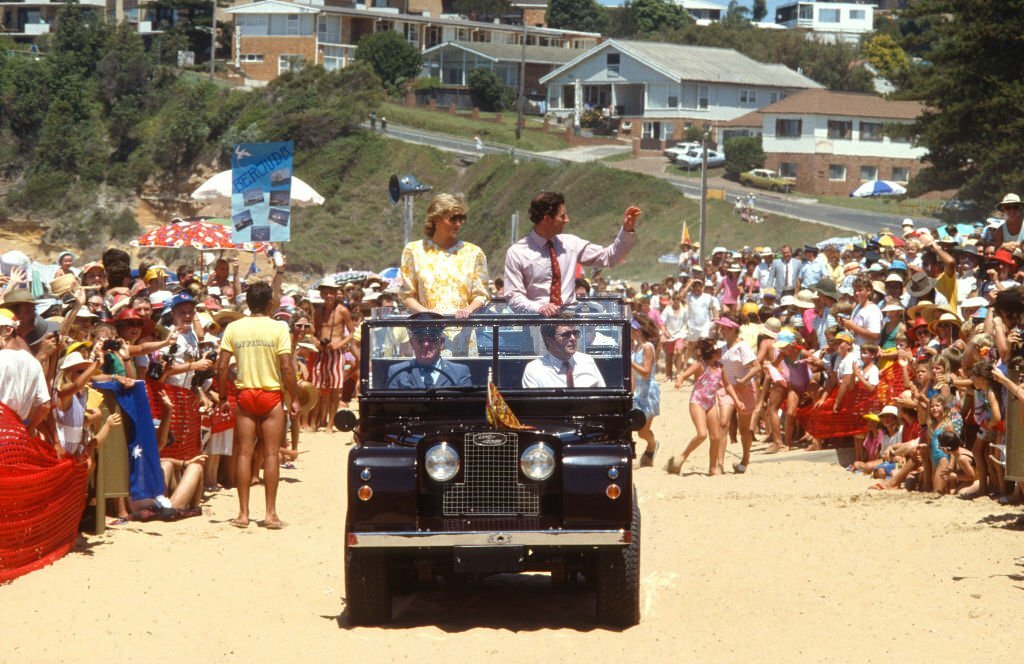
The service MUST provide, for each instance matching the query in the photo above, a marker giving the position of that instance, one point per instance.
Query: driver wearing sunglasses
(562, 365)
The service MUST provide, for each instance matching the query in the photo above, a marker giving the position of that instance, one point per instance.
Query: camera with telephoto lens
(156, 369)
(200, 377)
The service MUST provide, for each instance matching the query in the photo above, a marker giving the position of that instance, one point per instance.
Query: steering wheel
(413, 367)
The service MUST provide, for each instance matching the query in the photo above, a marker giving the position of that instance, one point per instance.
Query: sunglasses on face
(302, 326)
(568, 334)
(457, 218)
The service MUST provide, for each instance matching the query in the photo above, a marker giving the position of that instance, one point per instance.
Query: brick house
(831, 142)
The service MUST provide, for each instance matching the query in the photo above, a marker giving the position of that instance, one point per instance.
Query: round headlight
(442, 462)
(538, 462)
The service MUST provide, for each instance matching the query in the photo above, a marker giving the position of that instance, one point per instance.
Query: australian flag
(146, 480)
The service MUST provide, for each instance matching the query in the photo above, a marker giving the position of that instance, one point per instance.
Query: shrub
(742, 154)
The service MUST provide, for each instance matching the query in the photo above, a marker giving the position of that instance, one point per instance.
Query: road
(804, 209)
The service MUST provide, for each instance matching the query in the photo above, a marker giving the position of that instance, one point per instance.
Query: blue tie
(428, 377)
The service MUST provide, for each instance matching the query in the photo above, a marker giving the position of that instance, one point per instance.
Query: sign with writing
(261, 191)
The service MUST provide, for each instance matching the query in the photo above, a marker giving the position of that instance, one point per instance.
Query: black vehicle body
(402, 524)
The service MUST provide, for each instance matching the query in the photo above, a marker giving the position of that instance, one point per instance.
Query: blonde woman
(441, 273)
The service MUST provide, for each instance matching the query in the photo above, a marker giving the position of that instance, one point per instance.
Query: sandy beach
(796, 560)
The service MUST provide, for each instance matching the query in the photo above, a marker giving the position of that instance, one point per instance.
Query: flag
(686, 235)
(499, 415)
(252, 267)
(145, 478)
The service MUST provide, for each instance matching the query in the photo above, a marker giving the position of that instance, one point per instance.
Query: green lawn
(462, 124)
(888, 205)
(682, 171)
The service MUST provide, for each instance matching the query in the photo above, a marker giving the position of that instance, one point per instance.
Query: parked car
(680, 148)
(767, 179)
(693, 159)
(442, 485)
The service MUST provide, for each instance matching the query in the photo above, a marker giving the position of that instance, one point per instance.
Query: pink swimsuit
(705, 388)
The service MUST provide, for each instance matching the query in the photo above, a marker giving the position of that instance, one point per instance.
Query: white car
(694, 159)
(680, 148)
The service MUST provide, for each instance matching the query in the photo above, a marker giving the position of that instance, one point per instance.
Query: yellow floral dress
(443, 280)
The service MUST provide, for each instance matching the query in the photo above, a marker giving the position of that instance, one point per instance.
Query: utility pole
(213, 37)
(703, 189)
(522, 84)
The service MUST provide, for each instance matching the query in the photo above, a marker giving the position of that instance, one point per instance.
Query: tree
(971, 89)
(393, 58)
(760, 10)
(742, 154)
(489, 93)
(651, 16)
(584, 15)
(885, 54)
(124, 77)
(736, 14)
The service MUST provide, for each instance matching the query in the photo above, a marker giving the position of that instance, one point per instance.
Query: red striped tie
(556, 275)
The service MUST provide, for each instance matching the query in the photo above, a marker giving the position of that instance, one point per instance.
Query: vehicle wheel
(367, 589)
(775, 187)
(618, 581)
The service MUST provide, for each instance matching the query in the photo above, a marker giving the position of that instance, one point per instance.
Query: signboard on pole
(261, 191)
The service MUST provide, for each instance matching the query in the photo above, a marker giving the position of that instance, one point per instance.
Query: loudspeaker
(407, 184)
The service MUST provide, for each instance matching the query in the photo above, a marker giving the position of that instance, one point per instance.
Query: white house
(657, 90)
(828, 21)
(702, 11)
(832, 141)
(25, 18)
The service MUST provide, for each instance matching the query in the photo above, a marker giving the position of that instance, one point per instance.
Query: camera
(325, 342)
(112, 345)
(156, 369)
(200, 377)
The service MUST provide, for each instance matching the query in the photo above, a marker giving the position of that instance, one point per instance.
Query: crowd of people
(903, 342)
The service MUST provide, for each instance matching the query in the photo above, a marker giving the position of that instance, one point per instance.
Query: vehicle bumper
(529, 538)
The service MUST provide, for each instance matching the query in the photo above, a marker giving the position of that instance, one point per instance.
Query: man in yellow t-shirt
(943, 270)
(262, 349)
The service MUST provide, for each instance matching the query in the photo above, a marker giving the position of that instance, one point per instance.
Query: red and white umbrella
(218, 190)
(197, 234)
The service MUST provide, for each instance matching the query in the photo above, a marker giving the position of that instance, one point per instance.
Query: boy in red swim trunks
(263, 351)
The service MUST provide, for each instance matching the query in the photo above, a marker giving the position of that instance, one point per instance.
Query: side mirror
(346, 420)
(636, 419)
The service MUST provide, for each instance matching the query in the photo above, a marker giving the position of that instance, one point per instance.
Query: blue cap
(180, 298)
(980, 314)
(898, 265)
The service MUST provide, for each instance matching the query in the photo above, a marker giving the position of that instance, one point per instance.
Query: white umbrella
(879, 188)
(218, 190)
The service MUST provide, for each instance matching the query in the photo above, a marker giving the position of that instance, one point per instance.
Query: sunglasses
(300, 326)
(457, 218)
(1012, 207)
(568, 334)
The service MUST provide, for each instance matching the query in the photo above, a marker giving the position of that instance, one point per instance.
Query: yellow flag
(499, 415)
(686, 234)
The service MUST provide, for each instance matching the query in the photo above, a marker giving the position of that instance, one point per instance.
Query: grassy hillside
(358, 227)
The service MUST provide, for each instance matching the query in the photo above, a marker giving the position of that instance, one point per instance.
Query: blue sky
(725, 3)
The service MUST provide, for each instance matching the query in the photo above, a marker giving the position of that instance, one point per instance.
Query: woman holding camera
(131, 328)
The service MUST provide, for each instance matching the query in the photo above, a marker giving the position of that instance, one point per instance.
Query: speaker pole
(407, 227)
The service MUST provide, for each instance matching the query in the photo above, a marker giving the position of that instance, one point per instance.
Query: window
(787, 169)
(702, 96)
(870, 131)
(290, 63)
(293, 25)
(837, 172)
(775, 96)
(251, 57)
(840, 130)
(828, 16)
(673, 102)
(900, 174)
(748, 96)
(856, 14)
(612, 60)
(786, 128)
(329, 29)
(807, 12)
(868, 173)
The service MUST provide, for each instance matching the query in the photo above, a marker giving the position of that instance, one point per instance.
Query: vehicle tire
(775, 187)
(618, 581)
(367, 589)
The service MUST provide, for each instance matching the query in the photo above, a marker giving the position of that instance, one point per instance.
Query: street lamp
(703, 187)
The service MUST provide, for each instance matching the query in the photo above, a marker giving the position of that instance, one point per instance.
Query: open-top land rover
(459, 471)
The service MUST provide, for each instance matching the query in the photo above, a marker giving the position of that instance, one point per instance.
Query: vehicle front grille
(490, 479)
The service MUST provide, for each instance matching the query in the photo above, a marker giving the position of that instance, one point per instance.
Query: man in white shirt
(562, 366)
(763, 272)
(22, 382)
(865, 324)
(186, 360)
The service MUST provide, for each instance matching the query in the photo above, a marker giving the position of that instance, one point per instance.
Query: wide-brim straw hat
(947, 317)
(309, 396)
(225, 316)
(63, 284)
